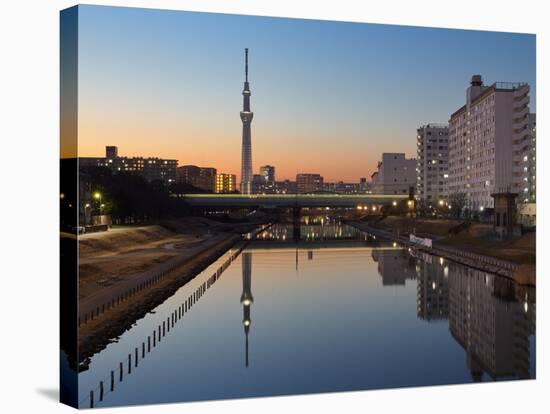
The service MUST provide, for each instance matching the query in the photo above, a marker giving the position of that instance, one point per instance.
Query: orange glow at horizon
(190, 143)
(338, 165)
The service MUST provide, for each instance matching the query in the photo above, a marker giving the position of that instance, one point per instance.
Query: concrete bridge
(290, 200)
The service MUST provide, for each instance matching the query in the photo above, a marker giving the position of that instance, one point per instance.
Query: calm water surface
(336, 311)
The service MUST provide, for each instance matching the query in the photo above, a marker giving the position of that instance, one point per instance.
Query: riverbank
(124, 257)
(471, 245)
(110, 310)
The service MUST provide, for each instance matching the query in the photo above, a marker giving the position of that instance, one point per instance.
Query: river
(338, 310)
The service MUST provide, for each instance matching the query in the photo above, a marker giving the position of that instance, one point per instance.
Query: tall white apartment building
(486, 140)
(529, 151)
(395, 174)
(432, 163)
(527, 208)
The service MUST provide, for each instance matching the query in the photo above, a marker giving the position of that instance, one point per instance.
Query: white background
(29, 143)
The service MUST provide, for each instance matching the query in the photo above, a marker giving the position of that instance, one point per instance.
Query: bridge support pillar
(296, 215)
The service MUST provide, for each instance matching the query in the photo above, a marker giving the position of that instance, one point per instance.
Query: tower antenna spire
(246, 64)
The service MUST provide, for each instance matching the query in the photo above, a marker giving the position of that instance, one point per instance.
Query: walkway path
(106, 294)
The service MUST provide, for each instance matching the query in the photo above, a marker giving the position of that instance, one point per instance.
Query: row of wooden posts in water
(159, 332)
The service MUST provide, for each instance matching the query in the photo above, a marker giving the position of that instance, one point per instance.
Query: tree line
(129, 198)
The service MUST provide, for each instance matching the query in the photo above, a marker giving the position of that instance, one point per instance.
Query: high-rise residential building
(150, 168)
(432, 163)
(309, 183)
(203, 178)
(527, 206)
(529, 191)
(225, 183)
(246, 118)
(487, 137)
(268, 173)
(395, 174)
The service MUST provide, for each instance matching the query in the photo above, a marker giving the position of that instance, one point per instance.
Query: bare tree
(457, 201)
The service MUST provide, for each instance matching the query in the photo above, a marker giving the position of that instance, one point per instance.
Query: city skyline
(319, 98)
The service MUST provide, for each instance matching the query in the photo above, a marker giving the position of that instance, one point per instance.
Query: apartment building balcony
(521, 116)
(520, 102)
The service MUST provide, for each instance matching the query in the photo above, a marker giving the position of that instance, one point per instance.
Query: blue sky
(328, 97)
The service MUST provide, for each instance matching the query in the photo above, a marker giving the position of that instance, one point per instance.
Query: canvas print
(256, 206)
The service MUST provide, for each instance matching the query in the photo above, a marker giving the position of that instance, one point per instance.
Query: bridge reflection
(329, 230)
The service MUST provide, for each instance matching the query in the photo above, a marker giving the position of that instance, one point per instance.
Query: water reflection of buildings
(246, 298)
(490, 323)
(395, 266)
(432, 289)
(311, 232)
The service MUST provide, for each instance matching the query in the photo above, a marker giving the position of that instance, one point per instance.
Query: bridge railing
(290, 200)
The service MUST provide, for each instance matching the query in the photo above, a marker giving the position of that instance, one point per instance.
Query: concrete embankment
(95, 334)
(106, 296)
(523, 274)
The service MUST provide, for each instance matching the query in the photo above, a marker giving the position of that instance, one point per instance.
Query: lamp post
(441, 204)
(86, 207)
(97, 195)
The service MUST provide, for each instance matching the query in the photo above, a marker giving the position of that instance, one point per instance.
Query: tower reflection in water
(246, 298)
(489, 316)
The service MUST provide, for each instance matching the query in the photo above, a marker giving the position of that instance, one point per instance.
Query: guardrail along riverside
(122, 297)
(161, 330)
(152, 341)
(477, 261)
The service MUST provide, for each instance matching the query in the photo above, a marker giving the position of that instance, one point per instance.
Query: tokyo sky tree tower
(246, 118)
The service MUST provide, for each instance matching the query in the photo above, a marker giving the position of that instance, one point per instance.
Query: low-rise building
(226, 183)
(309, 183)
(395, 174)
(151, 168)
(341, 187)
(203, 178)
(286, 187)
(268, 173)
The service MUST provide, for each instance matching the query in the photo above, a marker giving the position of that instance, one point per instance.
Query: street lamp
(86, 207)
(97, 197)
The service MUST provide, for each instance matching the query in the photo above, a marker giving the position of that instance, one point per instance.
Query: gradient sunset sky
(328, 97)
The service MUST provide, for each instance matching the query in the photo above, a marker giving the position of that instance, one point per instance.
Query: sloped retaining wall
(519, 273)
